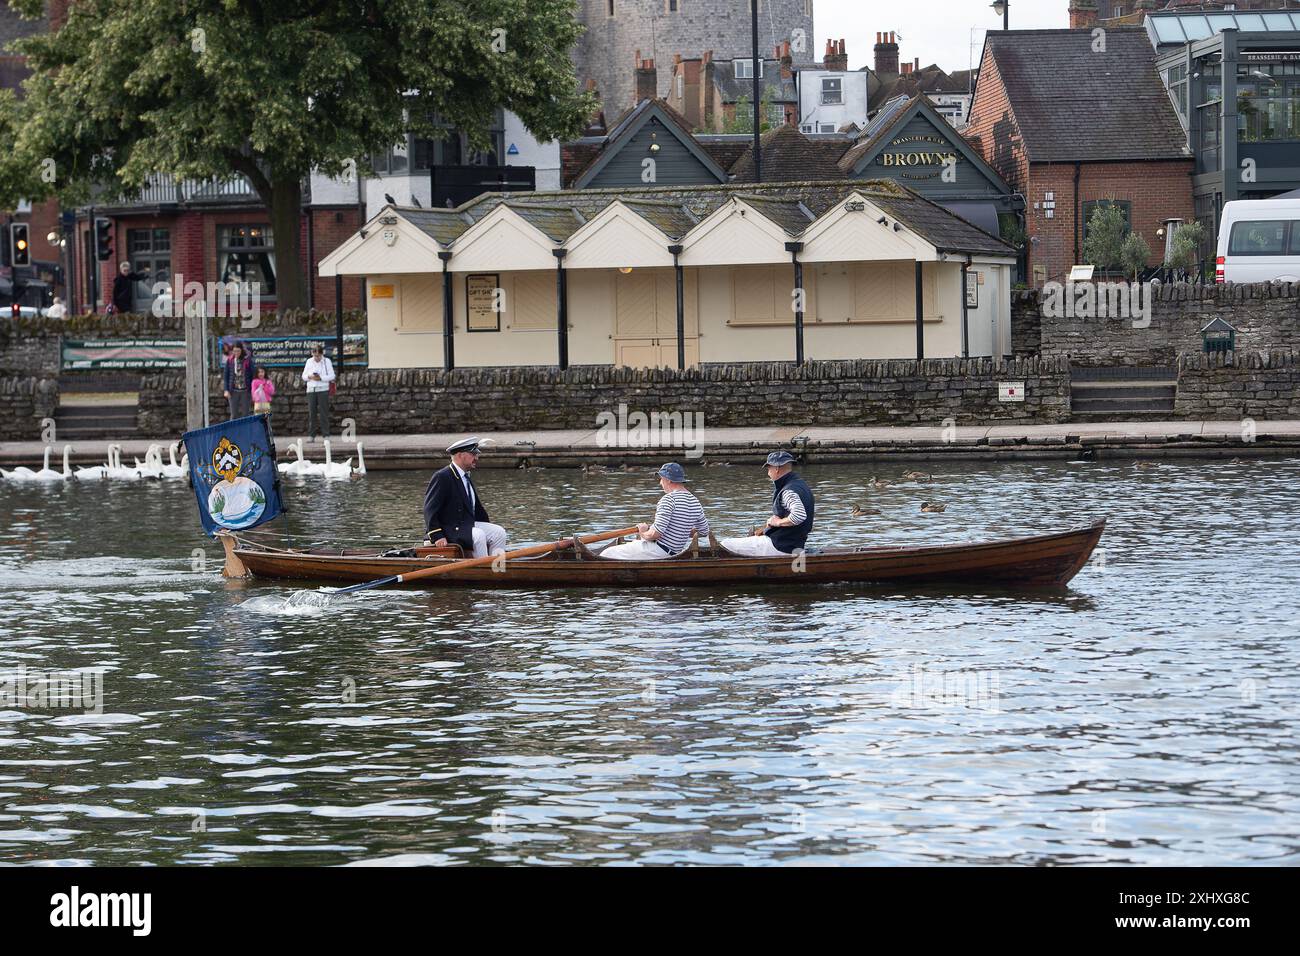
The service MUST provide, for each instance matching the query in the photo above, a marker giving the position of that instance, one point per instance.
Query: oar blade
(367, 585)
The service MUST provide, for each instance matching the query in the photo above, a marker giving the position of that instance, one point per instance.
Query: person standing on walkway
(792, 514)
(318, 373)
(124, 287)
(263, 391)
(677, 516)
(453, 508)
(237, 381)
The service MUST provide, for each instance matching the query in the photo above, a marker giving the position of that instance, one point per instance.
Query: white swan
(116, 470)
(49, 474)
(96, 472)
(174, 470)
(332, 470)
(23, 473)
(300, 467)
(152, 466)
(361, 462)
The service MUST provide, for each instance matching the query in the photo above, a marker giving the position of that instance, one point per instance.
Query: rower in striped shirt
(677, 516)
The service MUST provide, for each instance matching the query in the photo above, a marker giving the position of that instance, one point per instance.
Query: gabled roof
(630, 123)
(676, 210)
(1071, 102)
(771, 84)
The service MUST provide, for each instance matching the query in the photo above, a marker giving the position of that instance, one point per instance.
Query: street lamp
(1000, 8)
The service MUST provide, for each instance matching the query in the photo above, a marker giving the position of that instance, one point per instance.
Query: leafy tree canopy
(273, 90)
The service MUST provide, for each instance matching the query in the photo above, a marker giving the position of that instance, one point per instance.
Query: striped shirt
(794, 505)
(677, 515)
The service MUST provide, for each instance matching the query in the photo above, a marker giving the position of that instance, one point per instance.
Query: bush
(1102, 248)
(1185, 247)
(1133, 254)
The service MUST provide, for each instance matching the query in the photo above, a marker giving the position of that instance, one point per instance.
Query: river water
(1148, 714)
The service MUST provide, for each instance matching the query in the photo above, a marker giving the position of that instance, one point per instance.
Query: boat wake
(297, 604)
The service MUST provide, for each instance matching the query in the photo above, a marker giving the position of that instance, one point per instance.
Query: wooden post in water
(196, 373)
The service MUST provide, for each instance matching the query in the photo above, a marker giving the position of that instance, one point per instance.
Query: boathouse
(679, 276)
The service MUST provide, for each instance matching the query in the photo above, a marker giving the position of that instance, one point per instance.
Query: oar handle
(507, 555)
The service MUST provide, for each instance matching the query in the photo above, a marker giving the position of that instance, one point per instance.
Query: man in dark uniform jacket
(452, 506)
(792, 514)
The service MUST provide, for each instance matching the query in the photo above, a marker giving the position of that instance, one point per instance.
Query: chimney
(647, 80)
(886, 53)
(57, 11)
(787, 61)
(1083, 14)
(835, 59)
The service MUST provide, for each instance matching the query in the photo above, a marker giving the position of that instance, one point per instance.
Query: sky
(937, 31)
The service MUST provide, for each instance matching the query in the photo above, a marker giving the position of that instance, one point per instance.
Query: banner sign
(232, 469)
(123, 353)
(293, 351)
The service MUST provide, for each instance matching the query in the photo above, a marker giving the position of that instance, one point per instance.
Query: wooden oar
(479, 562)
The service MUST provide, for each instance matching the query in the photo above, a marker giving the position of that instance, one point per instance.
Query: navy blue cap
(673, 472)
(780, 458)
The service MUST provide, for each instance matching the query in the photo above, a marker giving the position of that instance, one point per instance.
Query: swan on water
(300, 467)
(175, 470)
(49, 474)
(333, 470)
(116, 469)
(152, 466)
(96, 472)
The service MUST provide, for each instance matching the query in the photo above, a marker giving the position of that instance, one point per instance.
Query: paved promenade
(575, 447)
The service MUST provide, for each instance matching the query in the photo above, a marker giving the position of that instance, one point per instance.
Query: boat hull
(1048, 560)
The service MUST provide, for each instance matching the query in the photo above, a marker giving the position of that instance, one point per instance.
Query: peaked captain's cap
(465, 444)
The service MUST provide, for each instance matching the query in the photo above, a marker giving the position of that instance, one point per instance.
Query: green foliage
(272, 90)
(1133, 254)
(1185, 247)
(1103, 245)
(1011, 231)
(743, 120)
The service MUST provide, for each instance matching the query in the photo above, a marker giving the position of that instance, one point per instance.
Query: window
(672, 6)
(149, 251)
(807, 8)
(745, 69)
(1125, 208)
(806, 128)
(246, 253)
(827, 128)
(1258, 238)
(610, 8)
(681, 87)
(832, 93)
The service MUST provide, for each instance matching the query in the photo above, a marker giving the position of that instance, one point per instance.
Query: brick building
(1070, 126)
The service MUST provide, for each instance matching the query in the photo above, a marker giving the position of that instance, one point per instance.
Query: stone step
(1123, 373)
(1122, 406)
(1137, 389)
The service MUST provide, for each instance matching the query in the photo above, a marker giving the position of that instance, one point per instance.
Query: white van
(1259, 241)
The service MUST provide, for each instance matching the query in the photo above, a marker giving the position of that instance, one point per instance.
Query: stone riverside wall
(1266, 316)
(33, 346)
(897, 392)
(1258, 385)
(23, 403)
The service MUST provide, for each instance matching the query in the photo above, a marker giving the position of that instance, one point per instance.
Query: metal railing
(164, 190)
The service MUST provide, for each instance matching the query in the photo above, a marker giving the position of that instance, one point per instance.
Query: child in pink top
(263, 391)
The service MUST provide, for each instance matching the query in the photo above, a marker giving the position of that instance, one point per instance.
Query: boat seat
(429, 551)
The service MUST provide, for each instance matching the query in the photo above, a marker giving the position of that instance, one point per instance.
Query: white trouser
(639, 550)
(488, 539)
(753, 546)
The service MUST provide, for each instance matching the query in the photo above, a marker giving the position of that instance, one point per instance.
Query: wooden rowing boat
(1046, 560)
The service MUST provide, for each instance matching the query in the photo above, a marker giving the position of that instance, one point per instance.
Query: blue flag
(232, 469)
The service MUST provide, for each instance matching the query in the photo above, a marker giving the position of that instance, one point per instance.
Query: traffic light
(103, 239)
(19, 244)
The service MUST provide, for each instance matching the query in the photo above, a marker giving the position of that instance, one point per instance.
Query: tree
(1133, 254)
(1185, 246)
(742, 121)
(1105, 236)
(272, 89)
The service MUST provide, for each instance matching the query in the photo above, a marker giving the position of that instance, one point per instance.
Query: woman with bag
(318, 373)
(237, 381)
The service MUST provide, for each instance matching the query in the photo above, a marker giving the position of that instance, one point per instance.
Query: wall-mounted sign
(390, 236)
(1272, 56)
(123, 353)
(292, 351)
(973, 289)
(513, 150)
(911, 153)
(480, 302)
(855, 205)
(1011, 391)
(381, 291)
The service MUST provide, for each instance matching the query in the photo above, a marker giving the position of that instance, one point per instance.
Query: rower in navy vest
(453, 508)
(792, 514)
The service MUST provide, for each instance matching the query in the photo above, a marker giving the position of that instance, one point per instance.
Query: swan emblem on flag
(236, 500)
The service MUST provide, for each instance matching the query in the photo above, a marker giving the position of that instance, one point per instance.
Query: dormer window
(745, 69)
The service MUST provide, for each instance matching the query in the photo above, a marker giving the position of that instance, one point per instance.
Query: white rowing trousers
(639, 550)
(489, 538)
(753, 546)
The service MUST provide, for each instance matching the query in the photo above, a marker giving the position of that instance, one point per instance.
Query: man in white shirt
(318, 373)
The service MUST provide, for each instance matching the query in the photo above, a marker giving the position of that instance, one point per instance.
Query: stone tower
(660, 29)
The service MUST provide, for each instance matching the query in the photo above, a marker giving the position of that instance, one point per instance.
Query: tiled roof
(626, 126)
(675, 210)
(1072, 103)
(770, 84)
(789, 156)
